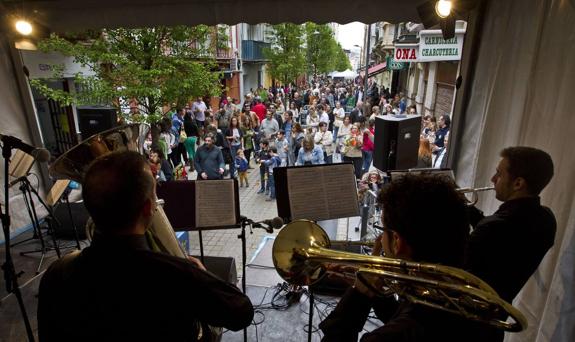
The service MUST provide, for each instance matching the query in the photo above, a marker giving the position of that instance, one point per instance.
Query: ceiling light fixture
(443, 8)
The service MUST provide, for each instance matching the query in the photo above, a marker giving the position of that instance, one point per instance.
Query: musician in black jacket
(410, 235)
(118, 289)
(506, 248)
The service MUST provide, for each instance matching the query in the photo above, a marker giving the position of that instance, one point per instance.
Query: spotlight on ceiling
(443, 8)
(24, 27)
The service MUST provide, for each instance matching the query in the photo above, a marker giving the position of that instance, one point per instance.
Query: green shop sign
(392, 64)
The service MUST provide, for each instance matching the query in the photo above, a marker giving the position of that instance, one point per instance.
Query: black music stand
(295, 183)
(189, 209)
(184, 219)
(28, 191)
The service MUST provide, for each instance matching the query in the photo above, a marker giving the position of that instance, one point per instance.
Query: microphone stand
(244, 223)
(10, 275)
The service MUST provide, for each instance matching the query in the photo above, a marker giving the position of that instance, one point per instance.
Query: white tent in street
(347, 74)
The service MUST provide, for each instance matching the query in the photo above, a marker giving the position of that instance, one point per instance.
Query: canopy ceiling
(66, 15)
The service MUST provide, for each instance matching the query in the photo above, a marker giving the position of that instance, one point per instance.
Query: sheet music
(322, 193)
(20, 164)
(56, 191)
(215, 203)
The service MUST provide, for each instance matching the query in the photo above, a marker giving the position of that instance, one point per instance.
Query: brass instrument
(301, 256)
(474, 193)
(74, 163)
(345, 243)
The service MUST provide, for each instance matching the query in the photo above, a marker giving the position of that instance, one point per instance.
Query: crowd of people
(322, 122)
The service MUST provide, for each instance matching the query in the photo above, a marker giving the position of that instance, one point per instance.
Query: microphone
(40, 154)
(268, 225)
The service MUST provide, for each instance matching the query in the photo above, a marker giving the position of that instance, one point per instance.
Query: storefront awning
(376, 69)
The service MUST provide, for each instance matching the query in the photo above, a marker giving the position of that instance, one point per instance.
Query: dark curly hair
(428, 212)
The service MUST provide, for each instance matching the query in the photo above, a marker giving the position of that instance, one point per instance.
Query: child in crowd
(281, 145)
(261, 156)
(273, 162)
(241, 164)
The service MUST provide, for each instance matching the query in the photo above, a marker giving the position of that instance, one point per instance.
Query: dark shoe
(260, 191)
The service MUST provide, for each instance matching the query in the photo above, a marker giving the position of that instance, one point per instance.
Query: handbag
(183, 136)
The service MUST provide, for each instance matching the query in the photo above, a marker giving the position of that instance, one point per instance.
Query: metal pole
(367, 48)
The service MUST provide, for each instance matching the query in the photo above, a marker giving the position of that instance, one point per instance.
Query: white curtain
(523, 94)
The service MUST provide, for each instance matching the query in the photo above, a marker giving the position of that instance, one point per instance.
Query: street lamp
(368, 40)
(315, 34)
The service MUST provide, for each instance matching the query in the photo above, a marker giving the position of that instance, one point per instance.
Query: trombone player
(411, 233)
(521, 231)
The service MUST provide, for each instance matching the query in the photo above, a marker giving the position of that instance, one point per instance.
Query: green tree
(160, 66)
(286, 54)
(323, 52)
(341, 61)
(320, 48)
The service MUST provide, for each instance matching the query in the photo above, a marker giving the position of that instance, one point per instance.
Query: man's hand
(378, 247)
(197, 263)
(204, 175)
(221, 171)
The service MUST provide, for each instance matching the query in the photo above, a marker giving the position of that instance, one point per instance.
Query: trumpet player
(521, 231)
(410, 235)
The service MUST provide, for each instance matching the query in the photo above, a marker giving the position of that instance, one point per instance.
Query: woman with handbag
(342, 132)
(234, 139)
(324, 138)
(353, 143)
(339, 115)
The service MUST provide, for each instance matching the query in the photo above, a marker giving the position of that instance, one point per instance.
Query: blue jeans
(335, 130)
(263, 186)
(272, 185)
(233, 151)
(367, 158)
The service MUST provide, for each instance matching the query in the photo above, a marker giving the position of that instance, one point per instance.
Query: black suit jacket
(506, 248)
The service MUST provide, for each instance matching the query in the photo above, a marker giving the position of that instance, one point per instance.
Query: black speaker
(92, 120)
(79, 214)
(396, 142)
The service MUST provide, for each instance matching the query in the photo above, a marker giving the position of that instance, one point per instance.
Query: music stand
(306, 192)
(215, 205)
(19, 169)
(61, 191)
(201, 205)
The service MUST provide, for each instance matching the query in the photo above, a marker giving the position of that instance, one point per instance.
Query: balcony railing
(253, 51)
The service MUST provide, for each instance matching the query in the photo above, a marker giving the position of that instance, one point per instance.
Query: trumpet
(301, 256)
(474, 193)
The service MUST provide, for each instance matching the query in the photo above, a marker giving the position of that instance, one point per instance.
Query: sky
(351, 34)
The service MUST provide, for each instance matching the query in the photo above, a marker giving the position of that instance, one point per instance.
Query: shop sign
(406, 53)
(392, 64)
(433, 48)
